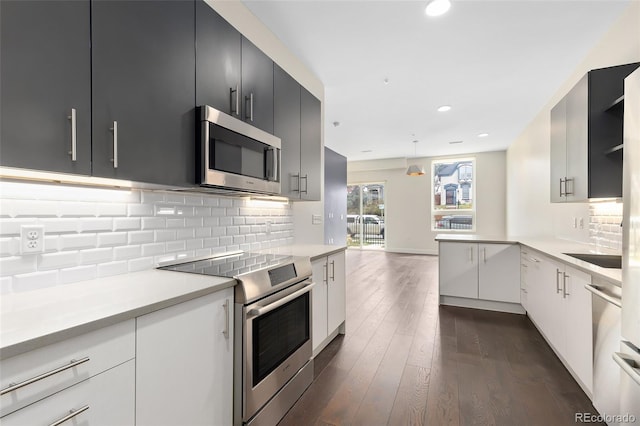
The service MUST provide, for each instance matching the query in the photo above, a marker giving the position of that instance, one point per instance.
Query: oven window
(278, 334)
(234, 153)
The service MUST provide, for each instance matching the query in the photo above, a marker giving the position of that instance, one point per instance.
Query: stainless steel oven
(237, 156)
(273, 323)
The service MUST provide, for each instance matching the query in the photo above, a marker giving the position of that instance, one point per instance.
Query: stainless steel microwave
(237, 156)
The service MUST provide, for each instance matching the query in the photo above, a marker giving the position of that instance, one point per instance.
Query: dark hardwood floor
(406, 361)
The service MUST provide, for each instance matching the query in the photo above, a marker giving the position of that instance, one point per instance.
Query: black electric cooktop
(229, 265)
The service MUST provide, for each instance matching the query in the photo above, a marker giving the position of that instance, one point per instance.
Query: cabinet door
(319, 302)
(335, 197)
(577, 322)
(310, 146)
(257, 87)
(458, 269)
(286, 126)
(552, 309)
(184, 363)
(143, 79)
(46, 73)
(336, 295)
(218, 59)
(577, 141)
(109, 396)
(558, 151)
(499, 272)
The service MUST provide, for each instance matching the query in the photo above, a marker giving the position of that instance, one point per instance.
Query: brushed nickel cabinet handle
(333, 270)
(558, 280)
(564, 286)
(250, 99)
(70, 416)
(235, 111)
(325, 273)
(226, 318)
(114, 129)
(296, 177)
(306, 184)
(566, 190)
(484, 255)
(561, 182)
(74, 134)
(15, 386)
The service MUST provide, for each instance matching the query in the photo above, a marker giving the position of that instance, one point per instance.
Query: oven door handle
(270, 307)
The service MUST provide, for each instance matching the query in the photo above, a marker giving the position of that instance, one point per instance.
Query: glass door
(365, 216)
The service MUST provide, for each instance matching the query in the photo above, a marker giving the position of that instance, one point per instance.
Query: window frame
(458, 195)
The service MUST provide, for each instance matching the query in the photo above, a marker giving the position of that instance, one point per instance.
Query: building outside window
(453, 196)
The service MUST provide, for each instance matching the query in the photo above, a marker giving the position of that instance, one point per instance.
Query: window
(453, 198)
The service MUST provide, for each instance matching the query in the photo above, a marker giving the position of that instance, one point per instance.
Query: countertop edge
(60, 335)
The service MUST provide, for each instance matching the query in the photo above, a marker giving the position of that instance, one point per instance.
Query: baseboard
(411, 251)
(489, 305)
(328, 339)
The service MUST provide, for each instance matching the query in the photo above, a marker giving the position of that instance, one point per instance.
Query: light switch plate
(316, 219)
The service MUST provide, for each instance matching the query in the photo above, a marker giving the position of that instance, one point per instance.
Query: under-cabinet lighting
(9, 173)
(437, 7)
(267, 201)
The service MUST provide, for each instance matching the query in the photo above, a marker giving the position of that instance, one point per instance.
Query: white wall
(408, 202)
(529, 211)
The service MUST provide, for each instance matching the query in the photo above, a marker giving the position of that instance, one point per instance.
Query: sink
(602, 260)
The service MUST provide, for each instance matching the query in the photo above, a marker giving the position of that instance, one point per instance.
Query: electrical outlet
(581, 223)
(31, 239)
(316, 219)
(268, 230)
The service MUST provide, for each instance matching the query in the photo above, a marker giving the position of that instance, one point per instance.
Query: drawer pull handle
(16, 386)
(69, 416)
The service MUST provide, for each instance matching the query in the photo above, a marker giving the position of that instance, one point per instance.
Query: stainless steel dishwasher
(606, 309)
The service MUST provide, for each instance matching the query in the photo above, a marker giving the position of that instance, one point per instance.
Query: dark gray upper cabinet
(586, 137)
(218, 61)
(257, 87)
(143, 82)
(310, 146)
(286, 126)
(335, 198)
(45, 75)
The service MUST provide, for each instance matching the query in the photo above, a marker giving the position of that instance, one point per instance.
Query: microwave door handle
(272, 164)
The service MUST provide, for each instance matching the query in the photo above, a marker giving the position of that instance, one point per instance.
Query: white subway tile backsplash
(34, 281)
(112, 239)
(153, 249)
(127, 252)
(98, 255)
(76, 209)
(139, 237)
(96, 224)
(77, 241)
(113, 268)
(126, 224)
(9, 246)
(57, 260)
(604, 225)
(94, 232)
(141, 264)
(77, 273)
(6, 285)
(140, 210)
(18, 264)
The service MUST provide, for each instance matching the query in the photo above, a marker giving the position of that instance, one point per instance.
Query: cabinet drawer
(105, 399)
(64, 364)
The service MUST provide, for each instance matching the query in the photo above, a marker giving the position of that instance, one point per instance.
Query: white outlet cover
(31, 239)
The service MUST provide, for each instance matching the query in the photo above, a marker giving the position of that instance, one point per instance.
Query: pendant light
(414, 169)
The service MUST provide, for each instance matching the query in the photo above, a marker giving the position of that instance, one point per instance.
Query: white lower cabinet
(184, 363)
(488, 272)
(328, 298)
(560, 306)
(106, 399)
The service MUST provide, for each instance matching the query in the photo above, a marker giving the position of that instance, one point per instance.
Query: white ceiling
(497, 63)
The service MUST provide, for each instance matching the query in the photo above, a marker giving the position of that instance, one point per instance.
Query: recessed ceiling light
(483, 135)
(454, 142)
(437, 7)
(336, 123)
(444, 108)
(386, 81)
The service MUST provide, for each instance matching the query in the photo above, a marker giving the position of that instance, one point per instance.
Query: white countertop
(554, 247)
(33, 319)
